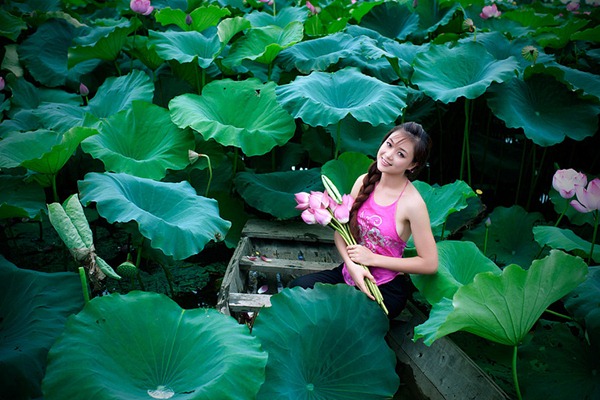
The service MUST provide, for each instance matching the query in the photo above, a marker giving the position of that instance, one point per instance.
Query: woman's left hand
(360, 254)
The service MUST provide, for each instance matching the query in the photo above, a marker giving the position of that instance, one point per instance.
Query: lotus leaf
(564, 239)
(185, 46)
(243, 114)
(344, 171)
(43, 151)
(273, 193)
(582, 303)
(545, 109)
(503, 308)
(45, 55)
(322, 98)
(10, 25)
(360, 137)
(393, 20)
(556, 364)
(102, 41)
(317, 54)
(319, 349)
(443, 201)
(587, 82)
(117, 94)
(145, 346)
(434, 14)
(138, 48)
(33, 309)
(263, 44)
(20, 199)
(459, 262)
(558, 37)
(282, 18)
(229, 27)
(141, 141)
(201, 18)
(174, 218)
(466, 70)
(510, 237)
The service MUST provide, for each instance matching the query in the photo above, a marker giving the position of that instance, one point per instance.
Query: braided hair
(422, 143)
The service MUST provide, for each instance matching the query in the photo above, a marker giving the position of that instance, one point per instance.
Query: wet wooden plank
(284, 266)
(287, 230)
(247, 302)
(442, 370)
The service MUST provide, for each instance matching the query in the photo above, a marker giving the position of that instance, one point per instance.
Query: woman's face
(396, 153)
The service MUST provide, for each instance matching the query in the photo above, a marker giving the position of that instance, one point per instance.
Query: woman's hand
(359, 274)
(360, 254)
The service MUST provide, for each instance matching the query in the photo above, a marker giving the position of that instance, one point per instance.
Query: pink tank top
(377, 225)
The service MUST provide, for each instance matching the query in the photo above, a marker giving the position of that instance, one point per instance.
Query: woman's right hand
(359, 274)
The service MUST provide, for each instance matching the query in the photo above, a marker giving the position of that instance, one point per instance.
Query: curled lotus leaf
(243, 114)
(171, 215)
(202, 17)
(323, 98)
(141, 141)
(185, 47)
(146, 346)
(392, 19)
(465, 70)
(319, 350)
(281, 19)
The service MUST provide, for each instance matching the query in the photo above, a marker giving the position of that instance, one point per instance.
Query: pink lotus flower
(318, 200)
(302, 200)
(141, 6)
(323, 216)
(83, 90)
(311, 8)
(490, 12)
(573, 6)
(342, 211)
(2, 83)
(564, 182)
(588, 200)
(308, 216)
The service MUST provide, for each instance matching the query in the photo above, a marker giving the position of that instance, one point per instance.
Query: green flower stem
(138, 261)
(338, 139)
(596, 213)
(562, 215)
(558, 314)
(344, 232)
(54, 190)
(466, 152)
(514, 372)
(485, 240)
(210, 173)
(84, 285)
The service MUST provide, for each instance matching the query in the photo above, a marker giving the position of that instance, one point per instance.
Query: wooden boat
(272, 253)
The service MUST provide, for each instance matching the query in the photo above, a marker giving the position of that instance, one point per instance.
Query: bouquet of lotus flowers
(330, 208)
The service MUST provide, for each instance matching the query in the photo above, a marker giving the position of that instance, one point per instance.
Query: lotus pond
(138, 137)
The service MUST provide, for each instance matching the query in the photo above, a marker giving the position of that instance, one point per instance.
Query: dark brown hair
(422, 143)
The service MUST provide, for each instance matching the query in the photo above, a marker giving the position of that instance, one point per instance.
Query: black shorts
(395, 292)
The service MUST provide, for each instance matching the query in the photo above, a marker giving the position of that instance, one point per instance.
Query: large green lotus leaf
(230, 27)
(10, 25)
(20, 199)
(434, 14)
(171, 215)
(62, 117)
(141, 141)
(465, 70)
(273, 193)
(344, 171)
(565, 239)
(444, 200)
(558, 37)
(556, 364)
(144, 345)
(582, 303)
(104, 40)
(503, 308)
(26, 96)
(322, 98)
(459, 262)
(117, 94)
(360, 137)
(44, 53)
(185, 46)
(510, 235)
(243, 114)
(263, 44)
(318, 54)
(281, 19)
(138, 48)
(42, 151)
(325, 343)
(33, 309)
(545, 109)
(202, 17)
(580, 80)
(392, 19)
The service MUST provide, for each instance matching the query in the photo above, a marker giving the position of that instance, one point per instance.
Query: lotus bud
(468, 25)
(564, 182)
(530, 53)
(488, 222)
(490, 12)
(310, 7)
(573, 6)
(302, 200)
(188, 19)
(588, 200)
(2, 83)
(83, 90)
(193, 156)
(141, 6)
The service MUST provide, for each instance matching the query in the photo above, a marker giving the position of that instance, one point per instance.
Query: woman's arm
(426, 260)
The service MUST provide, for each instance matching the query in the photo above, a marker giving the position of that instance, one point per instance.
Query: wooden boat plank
(286, 230)
(247, 302)
(284, 266)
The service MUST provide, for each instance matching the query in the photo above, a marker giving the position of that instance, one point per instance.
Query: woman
(388, 209)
